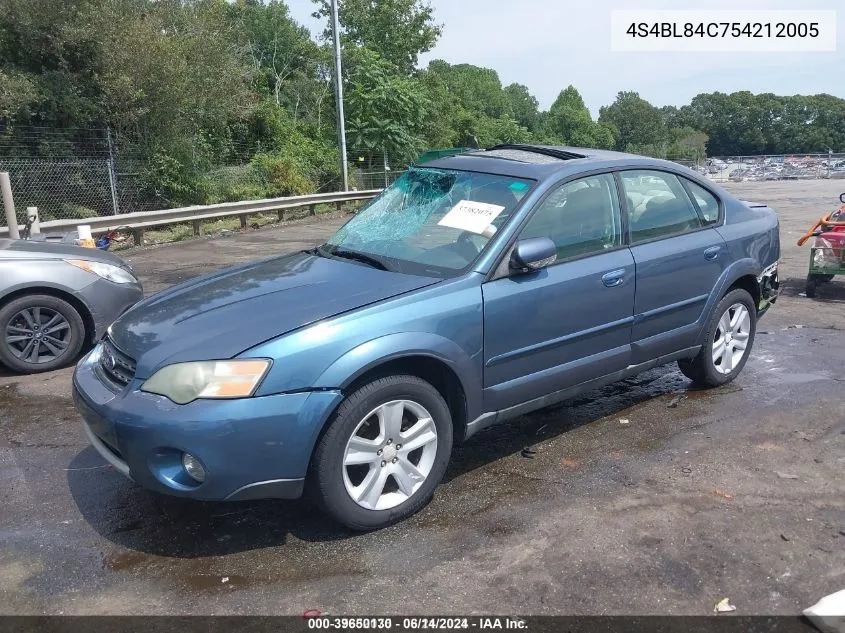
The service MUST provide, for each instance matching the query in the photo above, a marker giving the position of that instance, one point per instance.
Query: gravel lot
(736, 492)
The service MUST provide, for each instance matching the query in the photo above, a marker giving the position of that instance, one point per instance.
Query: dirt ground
(736, 492)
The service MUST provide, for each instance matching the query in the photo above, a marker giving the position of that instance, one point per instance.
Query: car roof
(544, 162)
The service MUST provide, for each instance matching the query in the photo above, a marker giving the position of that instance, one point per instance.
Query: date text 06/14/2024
(416, 623)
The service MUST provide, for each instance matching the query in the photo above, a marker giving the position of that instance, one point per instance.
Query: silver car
(56, 299)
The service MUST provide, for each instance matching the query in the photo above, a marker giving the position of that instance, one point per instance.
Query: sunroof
(529, 153)
(519, 155)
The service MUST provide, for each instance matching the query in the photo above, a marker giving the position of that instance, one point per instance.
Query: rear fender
(736, 270)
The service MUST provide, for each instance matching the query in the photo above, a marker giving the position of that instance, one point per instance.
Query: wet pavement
(644, 497)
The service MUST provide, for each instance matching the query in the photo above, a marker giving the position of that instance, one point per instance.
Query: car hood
(32, 250)
(225, 313)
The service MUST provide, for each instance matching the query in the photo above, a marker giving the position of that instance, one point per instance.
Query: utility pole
(338, 97)
(112, 174)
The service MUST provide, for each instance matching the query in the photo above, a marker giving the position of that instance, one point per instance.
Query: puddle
(121, 561)
(800, 379)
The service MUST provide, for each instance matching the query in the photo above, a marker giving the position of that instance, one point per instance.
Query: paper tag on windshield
(471, 216)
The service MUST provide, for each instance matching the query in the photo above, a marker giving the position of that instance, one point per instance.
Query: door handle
(712, 252)
(613, 278)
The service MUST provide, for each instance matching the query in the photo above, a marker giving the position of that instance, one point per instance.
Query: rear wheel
(39, 333)
(811, 285)
(727, 342)
(384, 453)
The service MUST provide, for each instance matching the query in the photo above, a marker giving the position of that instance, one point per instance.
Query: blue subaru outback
(476, 288)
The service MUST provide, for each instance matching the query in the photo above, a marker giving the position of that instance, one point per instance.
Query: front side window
(430, 221)
(706, 201)
(581, 217)
(658, 205)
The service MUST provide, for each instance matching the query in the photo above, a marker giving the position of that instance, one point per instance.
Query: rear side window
(658, 205)
(706, 201)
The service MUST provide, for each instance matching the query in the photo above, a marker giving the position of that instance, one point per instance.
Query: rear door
(679, 256)
(569, 322)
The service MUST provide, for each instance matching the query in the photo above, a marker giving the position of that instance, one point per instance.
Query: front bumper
(251, 448)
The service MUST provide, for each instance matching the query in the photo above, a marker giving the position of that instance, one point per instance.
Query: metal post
(338, 92)
(9, 204)
(35, 227)
(386, 184)
(112, 175)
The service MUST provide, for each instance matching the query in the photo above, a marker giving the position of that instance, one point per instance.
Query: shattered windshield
(430, 221)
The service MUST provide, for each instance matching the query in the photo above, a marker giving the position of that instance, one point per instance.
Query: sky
(550, 44)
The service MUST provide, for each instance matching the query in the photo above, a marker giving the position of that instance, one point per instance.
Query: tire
(24, 319)
(810, 287)
(366, 414)
(826, 278)
(704, 370)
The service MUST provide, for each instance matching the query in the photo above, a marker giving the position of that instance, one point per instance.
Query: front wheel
(40, 333)
(383, 454)
(727, 342)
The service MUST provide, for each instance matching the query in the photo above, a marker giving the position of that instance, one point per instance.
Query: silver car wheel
(389, 455)
(730, 342)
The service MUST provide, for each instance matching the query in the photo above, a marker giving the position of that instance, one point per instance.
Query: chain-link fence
(76, 174)
(61, 188)
(780, 167)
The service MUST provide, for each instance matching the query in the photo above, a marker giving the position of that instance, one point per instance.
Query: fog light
(193, 467)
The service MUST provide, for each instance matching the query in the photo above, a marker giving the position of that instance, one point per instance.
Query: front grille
(115, 366)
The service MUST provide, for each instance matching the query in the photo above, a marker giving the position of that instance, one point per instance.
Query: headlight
(107, 271)
(185, 382)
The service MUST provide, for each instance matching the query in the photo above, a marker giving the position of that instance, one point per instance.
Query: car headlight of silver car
(107, 271)
(186, 382)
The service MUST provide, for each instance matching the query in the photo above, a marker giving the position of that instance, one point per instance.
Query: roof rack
(540, 149)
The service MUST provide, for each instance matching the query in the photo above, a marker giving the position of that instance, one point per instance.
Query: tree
(278, 47)
(637, 123)
(385, 111)
(523, 106)
(570, 122)
(398, 30)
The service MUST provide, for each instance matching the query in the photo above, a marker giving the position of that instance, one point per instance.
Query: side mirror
(532, 254)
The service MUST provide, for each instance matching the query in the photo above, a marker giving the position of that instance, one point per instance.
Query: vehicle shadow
(832, 291)
(139, 520)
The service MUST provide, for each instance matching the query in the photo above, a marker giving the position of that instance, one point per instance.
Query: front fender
(367, 356)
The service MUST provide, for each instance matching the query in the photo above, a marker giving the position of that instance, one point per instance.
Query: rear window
(706, 201)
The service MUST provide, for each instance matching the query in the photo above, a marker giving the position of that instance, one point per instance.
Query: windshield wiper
(358, 257)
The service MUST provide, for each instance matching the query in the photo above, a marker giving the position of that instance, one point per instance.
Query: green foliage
(398, 30)
(570, 122)
(71, 211)
(743, 123)
(385, 111)
(638, 124)
(523, 106)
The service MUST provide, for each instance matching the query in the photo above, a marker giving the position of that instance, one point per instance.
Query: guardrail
(141, 220)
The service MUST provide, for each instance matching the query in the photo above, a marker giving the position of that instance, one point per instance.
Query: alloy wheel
(730, 342)
(38, 335)
(389, 455)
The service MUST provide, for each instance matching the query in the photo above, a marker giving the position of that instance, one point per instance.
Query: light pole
(338, 97)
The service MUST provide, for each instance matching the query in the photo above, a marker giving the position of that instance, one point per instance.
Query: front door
(571, 321)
